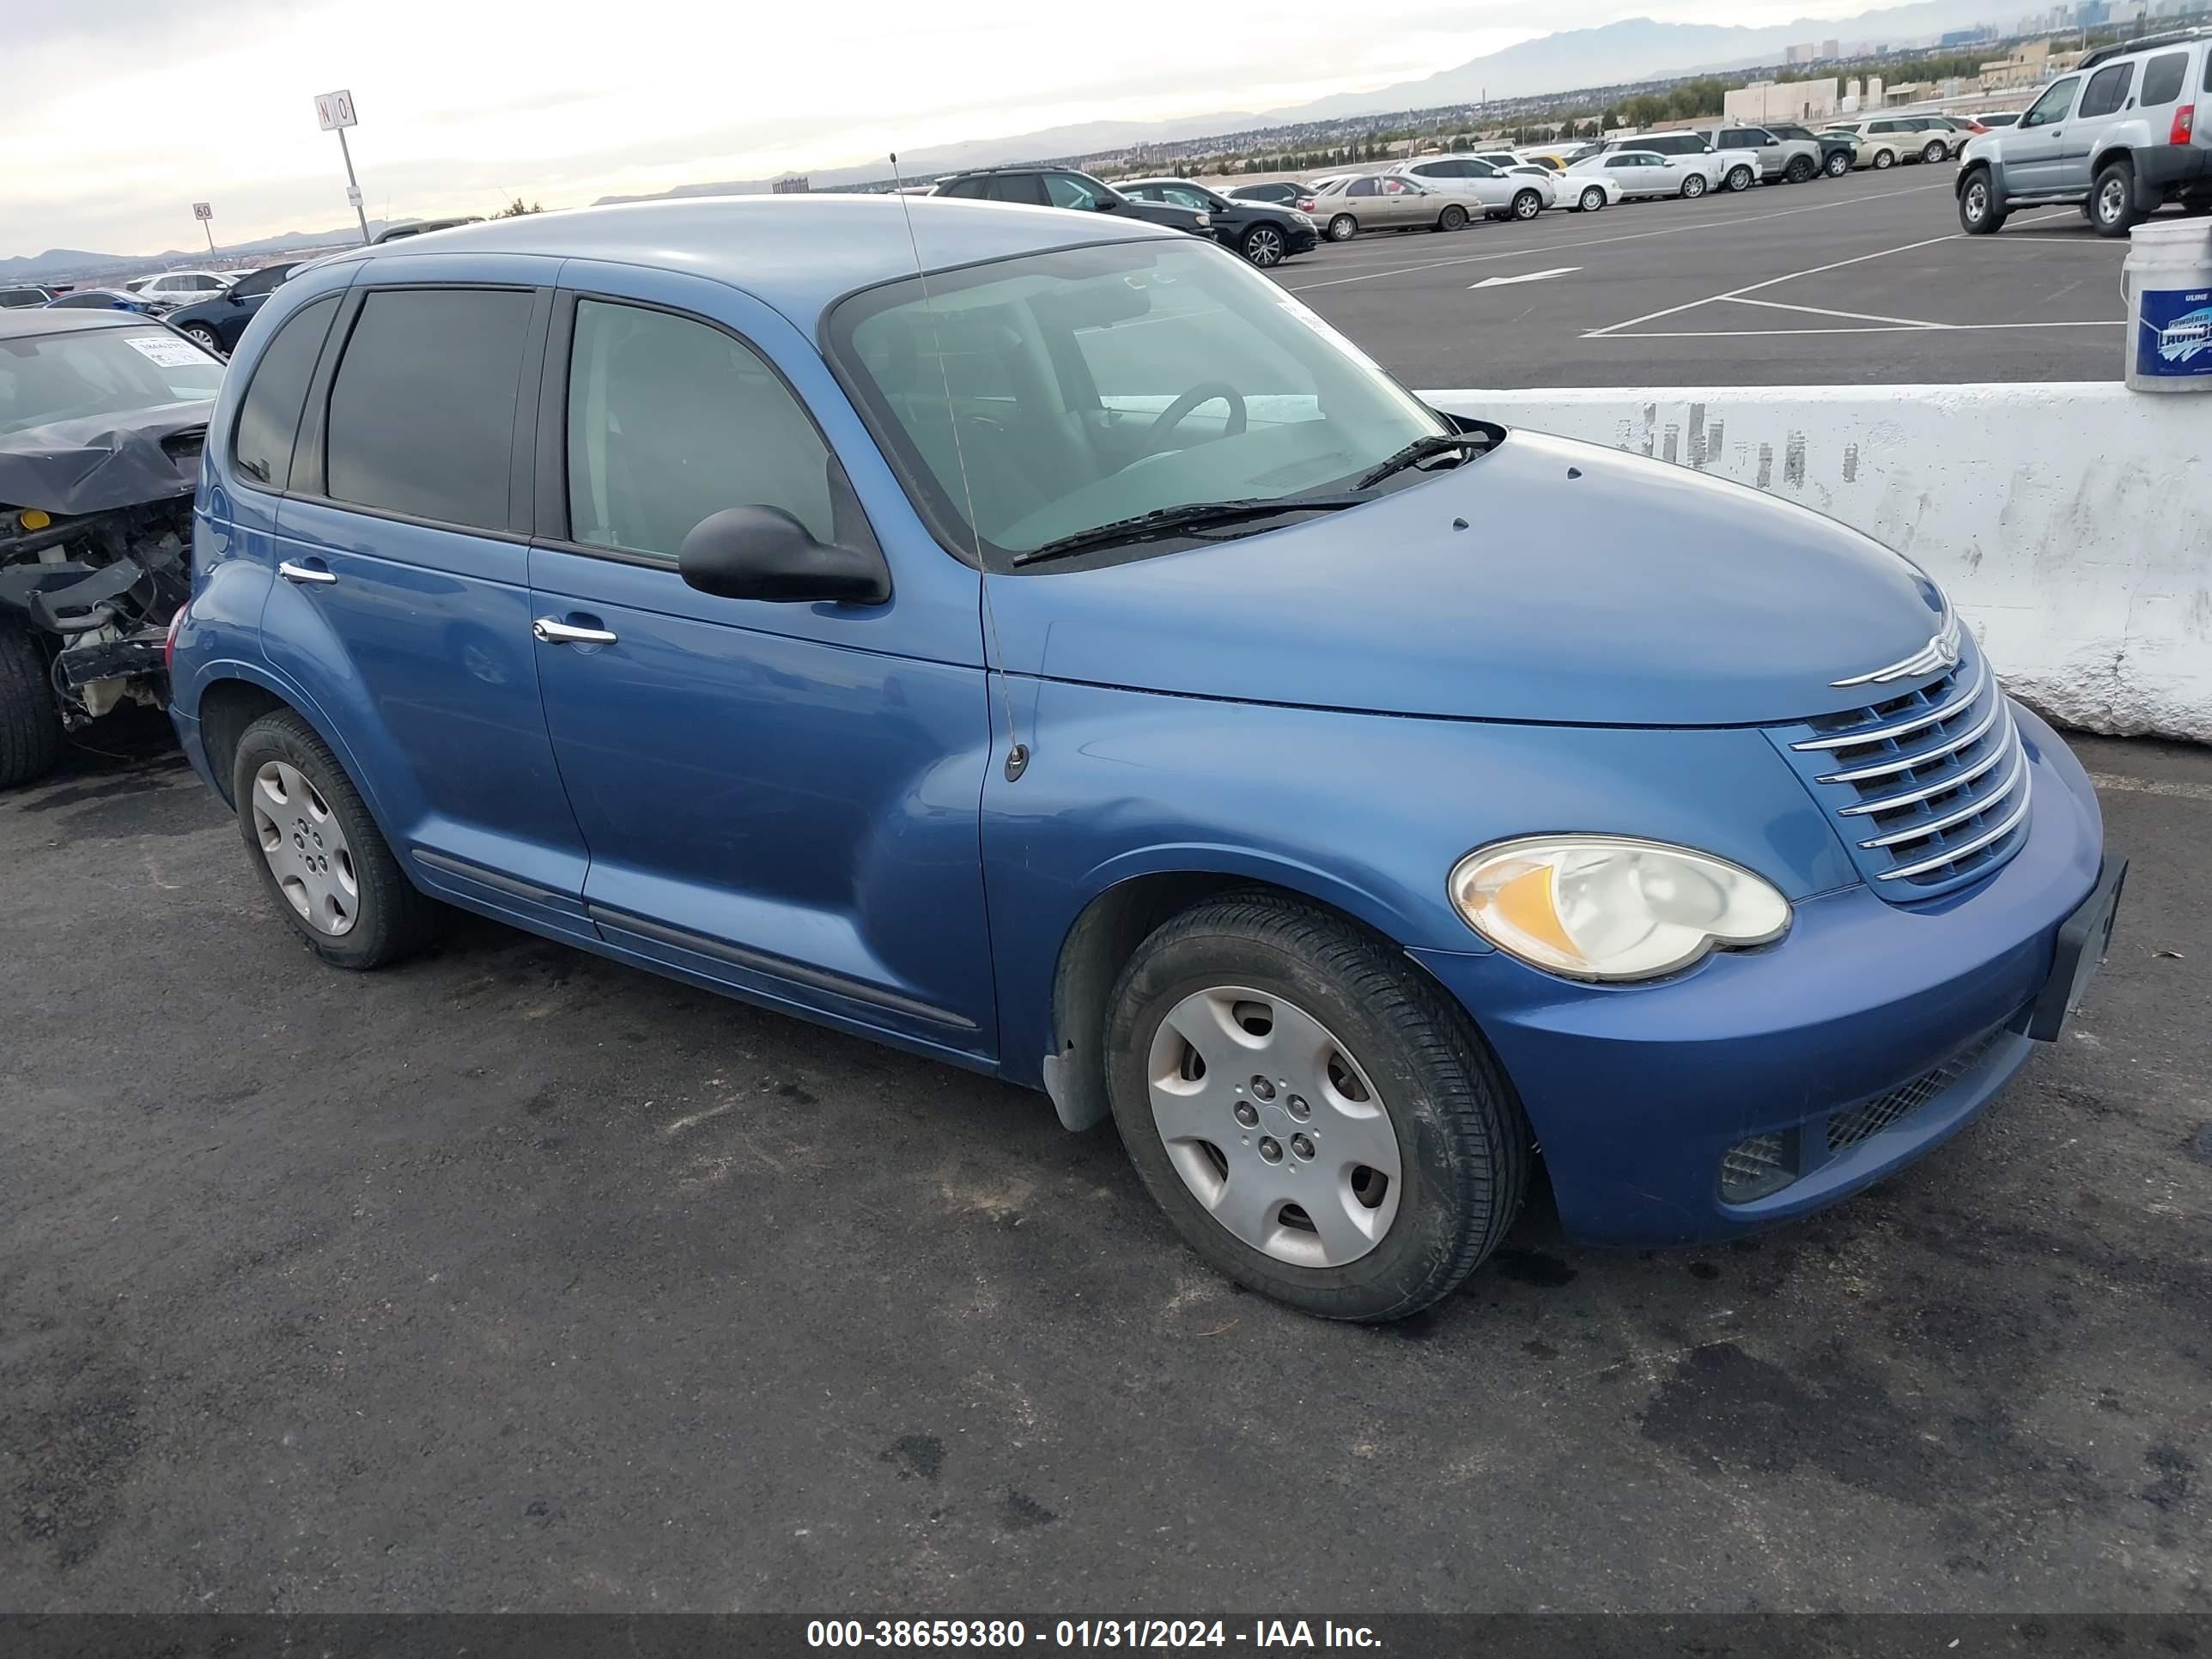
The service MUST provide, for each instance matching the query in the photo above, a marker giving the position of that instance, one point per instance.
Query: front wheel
(1319, 1123)
(2113, 201)
(1694, 186)
(30, 723)
(1837, 165)
(1980, 213)
(1343, 227)
(1263, 245)
(1884, 160)
(1592, 202)
(1454, 217)
(1740, 179)
(320, 854)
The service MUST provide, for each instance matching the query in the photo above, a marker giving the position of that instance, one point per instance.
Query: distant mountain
(69, 265)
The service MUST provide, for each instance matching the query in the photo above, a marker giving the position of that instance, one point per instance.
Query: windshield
(45, 377)
(1090, 386)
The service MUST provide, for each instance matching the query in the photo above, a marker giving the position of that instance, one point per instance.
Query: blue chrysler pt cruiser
(1041, 643)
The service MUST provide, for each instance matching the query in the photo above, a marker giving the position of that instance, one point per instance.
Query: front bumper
(1636, 1093)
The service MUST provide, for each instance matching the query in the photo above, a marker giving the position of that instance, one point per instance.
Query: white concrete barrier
(2070, 523)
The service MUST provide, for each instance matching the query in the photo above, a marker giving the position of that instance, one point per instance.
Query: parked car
(102, 417)
(1370, 201)
(1732, 169)
(1888, 141)
(705, 585)
(1837, 150)
(103, 298)
(1262, 232)
(217, 324)
(1492, 190)
(1064, 187)
(1960, 129)
(1643, 173)
(2120, 136)
(1588, 190)
(1559, 157)
(24, 295)
(1781, 158)
(1280, 193)
(178, 288)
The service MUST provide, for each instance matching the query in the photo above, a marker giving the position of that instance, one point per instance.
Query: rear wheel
(1317, 1119)
(318, 852)
(1454, 217)
(1263, 245)
(1800, 168)
(1837, 165)
(30, 723)
(1694, 186)
(1343, 227)
(205, 336)
(1740, 179)
(2113, 201)
(1980, 213)
(1526, 204)
(1593, 200)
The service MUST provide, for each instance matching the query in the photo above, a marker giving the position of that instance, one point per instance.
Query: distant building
(1799, 54)
(1801, 101)
(2090, 13)
(792, 183)
(1965, 37)
(1832, 50)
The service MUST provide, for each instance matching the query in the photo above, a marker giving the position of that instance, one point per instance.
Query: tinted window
(1026, 188)
(261, 281)
(1067, 190)
(2163, 76)
(269, 415)
(670, 421)
(2053, 105)
(970, 188)
(1364, 187)
(22, 296)
(2107, 87)
(422, 417)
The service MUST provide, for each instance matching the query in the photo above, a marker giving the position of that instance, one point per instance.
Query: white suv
(181, 287)
(2120, 136)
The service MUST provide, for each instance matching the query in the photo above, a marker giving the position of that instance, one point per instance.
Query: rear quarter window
(269, 414)
(2164, 77)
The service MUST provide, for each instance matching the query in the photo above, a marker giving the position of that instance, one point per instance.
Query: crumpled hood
(1587, 587)
(103, 461)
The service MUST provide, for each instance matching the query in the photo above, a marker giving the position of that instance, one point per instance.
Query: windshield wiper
(1419, 450)
(1179, 521)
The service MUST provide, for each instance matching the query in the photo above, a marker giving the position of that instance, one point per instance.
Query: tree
(516, 209)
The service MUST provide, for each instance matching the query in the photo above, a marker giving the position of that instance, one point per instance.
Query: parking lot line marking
(1771, 282)
(1823, 311)
(1871, 328)
(1524, 276)
(1539, 250)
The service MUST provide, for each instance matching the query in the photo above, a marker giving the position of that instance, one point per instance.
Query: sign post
(205, 212)
(334, 112)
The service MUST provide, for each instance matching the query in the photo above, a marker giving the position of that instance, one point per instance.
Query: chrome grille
(1929, 788)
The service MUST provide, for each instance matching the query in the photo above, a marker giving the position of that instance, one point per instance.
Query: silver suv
(1780, 157)
(2120, 136)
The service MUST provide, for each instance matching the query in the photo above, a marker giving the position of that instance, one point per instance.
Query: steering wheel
(1205, 393)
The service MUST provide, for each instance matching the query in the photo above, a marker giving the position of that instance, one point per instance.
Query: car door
(2107, 96)
(781, 800)
(1489, 185)
(1405, 202)
(236, 309)
(2034, 152)
(404, 609)
(1758, 139)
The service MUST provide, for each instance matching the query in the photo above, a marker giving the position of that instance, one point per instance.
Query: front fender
(1366, 813)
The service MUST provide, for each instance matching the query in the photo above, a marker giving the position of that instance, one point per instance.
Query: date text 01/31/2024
(1262, 1633)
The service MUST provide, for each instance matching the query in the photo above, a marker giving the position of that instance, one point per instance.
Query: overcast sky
(119, 114)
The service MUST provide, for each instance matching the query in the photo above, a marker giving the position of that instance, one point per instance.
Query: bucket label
(2175, 335)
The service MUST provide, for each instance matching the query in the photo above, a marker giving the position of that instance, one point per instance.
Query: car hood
(1546, 580)
(105, 461)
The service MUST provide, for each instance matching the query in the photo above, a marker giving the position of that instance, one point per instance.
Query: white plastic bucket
(2167, 280)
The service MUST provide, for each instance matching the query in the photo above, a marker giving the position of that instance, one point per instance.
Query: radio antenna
(1018, 753)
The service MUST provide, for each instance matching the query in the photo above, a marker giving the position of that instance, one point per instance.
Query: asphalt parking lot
(1862, 280)
(516, 1279)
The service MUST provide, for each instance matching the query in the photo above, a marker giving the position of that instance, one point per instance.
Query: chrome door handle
(561, 633)
(303, 574)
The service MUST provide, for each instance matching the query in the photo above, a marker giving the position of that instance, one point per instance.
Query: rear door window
(2164, 77)
(1067, 190)
(269, 415)
(2107, 90)
(421, 417)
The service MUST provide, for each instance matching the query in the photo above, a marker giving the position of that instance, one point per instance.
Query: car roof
(796, 253)
(1165, 178)
(15, 325)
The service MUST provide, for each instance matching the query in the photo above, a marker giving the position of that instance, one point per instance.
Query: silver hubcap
(2111, 201)
(1694, 187)
(1978, 201)
(1274, 1127)
(1526, 207)
(1265, 248)
(307, 850)
(1593, 200)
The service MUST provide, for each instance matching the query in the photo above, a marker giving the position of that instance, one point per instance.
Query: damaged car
(103, 414)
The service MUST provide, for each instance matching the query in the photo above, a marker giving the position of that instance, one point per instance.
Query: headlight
(1608, 907)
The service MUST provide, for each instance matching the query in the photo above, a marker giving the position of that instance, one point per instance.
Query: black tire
(206, 337)
(2112, 201)
(1937, 150)
(1980, 212)
(1838, 164)
(1593, 200)
(1740, 179)
(1264, 244)
(1527, 205)
(1884, 160)
(1800, 168)
(30, 722)
(1694, 186)
(1454, 217)
(1343, 227)
(394, 918)
(1462, 1142)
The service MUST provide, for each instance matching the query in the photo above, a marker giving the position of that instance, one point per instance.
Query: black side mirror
(1110, 204)
(763, 553)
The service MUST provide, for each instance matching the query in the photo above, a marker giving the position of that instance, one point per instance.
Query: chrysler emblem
(1941, 652)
